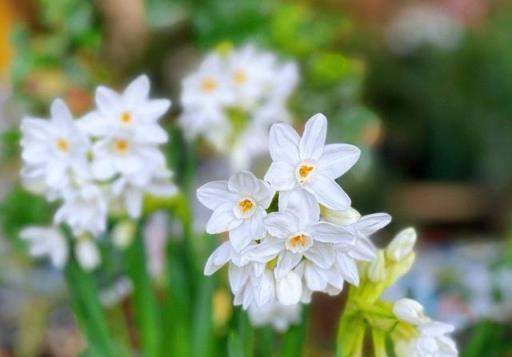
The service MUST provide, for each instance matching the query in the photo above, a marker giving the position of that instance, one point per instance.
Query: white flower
(87, 254)
(130, 112)
(402, 245)
(238, 207)
(377, 268)
(289, 288)
(308, 163)
(209, 87)
(52, 149)
(297, 228)
(279, 316)
(84, 209)
(47, 242)
(343, 218)
(431, 342)
(131, 188)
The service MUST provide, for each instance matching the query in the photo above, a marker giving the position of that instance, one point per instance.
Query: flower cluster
(233, 98)
(308, 240)
(105, 161)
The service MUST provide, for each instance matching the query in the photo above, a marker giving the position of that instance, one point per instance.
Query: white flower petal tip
(410, 311)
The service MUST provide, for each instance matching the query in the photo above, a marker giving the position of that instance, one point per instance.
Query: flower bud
(289, 289)
(402, 245)
(123, 234)
(410, 311)
(87, 254)
(377, 268)
(341, 218)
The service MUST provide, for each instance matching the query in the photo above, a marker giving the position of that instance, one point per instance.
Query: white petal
(286, 262)
(312, 142)
(281, 176)
(137, 91)
(154, 108)
(150, 134)
(281, 224)
(371, 223)
(243, 182)
(133, 202)
(289, 289)
(102, 168)
(314, 279)
(328, 192)
(303, 204)
(218, 258)
(267, 250)
(363, 250)
(108, 101)
(257, 226)
(60, 112)
(266, 289)
(215, 193)
(337, 159)
(240, 237)
(284, 143)
(330, 233)
(237, 277)
(222, 220)
(348, 269)
(94, 124)
(321, 255)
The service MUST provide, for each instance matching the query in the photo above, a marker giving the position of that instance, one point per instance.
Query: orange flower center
(240, 77)
(299, 239)
(121, 146)
(62, 145)
(245, 205)
(126, 118)
(208, 85)
(304, 171)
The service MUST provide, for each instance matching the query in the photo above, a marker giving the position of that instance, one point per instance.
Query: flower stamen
(304, 171)
(240, 77)
(121, 146)
(62, 145)
(126, 118)
(208, 85)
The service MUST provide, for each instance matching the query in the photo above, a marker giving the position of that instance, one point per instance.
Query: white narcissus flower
(87, 254)
(279, 316)
(130, 112)
(402, 245)
(238, 206)
(47, 242)
(306, 162)
(432, 339)
(52, 149)
(84, 209)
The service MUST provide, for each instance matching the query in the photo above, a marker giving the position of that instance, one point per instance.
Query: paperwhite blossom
(306, 162)
(53, 149)
(47, 242)
(279, 316)
(238, 207)
(432, 339)
(402, 245)
(84, 209)
(233, 98)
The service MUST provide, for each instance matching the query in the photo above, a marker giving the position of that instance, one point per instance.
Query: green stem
(145, 304)
(293, 341)
(379, 343)
(88, 311)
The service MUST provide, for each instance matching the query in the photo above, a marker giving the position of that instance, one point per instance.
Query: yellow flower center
(121, 146)
(62, 145)
(304, 171)
(208, 85)
(245, 205)
(126, 118)
(240, 77)
(299, 239)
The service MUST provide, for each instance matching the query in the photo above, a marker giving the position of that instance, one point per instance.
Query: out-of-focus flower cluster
(233, 98)
(308, 240)
(104, 162)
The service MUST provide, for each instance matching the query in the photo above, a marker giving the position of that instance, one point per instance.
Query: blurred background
(423, 87)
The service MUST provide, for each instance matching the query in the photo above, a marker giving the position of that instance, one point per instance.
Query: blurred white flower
(84, 209)
(432, 339)
(47, 242)
(233, 96)
(308, 163)
(52, 149)
(424, 24)
(279, 316)
(238, 207)
(130, 112)
(87, 254)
